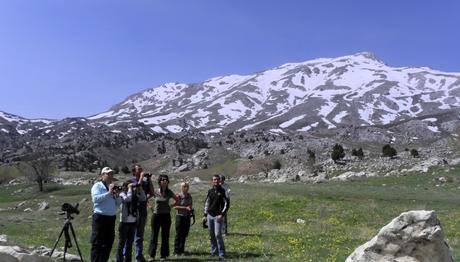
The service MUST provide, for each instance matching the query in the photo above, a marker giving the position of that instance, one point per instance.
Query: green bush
(389, 151)
(337, 152)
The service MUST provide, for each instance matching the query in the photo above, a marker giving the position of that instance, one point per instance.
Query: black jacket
(216, 202)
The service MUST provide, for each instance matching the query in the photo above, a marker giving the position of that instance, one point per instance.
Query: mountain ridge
(326, 84)
(323, 93)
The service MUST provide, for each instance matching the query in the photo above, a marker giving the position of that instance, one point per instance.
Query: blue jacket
(104, 202)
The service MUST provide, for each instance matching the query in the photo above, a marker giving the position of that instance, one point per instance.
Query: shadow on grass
(229, 256)
(237, 234)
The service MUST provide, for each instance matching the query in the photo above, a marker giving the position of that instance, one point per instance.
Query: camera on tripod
(66, 207)
(67, 229)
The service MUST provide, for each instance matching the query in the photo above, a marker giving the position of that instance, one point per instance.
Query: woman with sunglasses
(161, 218)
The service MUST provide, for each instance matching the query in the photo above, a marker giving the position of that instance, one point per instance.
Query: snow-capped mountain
(10, 123)
(358, 98)
(358, 90)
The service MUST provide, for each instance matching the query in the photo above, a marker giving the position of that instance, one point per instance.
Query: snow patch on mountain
(291, 122)
(338, 118)
(309, 127)
(174, 128)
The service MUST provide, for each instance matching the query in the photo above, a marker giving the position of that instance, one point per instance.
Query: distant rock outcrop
(414, 236)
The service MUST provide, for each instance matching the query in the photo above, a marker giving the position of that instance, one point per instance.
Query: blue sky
(78, 58)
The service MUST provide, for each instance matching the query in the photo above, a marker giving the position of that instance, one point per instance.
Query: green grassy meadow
(338, 216)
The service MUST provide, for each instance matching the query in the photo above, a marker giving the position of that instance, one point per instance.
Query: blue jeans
(125, 242)
(215, 232)
(139, 235)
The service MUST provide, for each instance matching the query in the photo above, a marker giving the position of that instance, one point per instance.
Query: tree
(337, 153)
(125, 170)
(269, 164)
(414, 153)
(40, 170)
(389, 151)
(354, 152)
(311, 157)
(360, 153)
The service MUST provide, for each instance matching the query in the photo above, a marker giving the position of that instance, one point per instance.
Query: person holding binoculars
(143, 192)
(128, 219)
(105, 201)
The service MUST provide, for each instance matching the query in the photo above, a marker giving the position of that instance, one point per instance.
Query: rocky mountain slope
(358, 90)
(354, 99)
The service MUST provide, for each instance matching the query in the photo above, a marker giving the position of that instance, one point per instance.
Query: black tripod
(68, 242)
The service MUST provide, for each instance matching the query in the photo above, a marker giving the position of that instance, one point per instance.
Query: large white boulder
(414, 236)
(17, 254)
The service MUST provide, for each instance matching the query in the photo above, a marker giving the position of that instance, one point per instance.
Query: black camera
(66, 207)
(204, 222)
(118, 188)
(148, 175)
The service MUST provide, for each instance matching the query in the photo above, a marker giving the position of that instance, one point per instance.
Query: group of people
(133, 198)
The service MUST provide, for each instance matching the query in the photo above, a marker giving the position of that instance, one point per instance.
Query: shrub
(360, 153)
(311, 154)
(125, 170)
(389, 151)
(414, 152)
(354, 152)
(337, 152)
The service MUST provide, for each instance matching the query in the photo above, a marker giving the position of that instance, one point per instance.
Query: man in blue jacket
(105, 202)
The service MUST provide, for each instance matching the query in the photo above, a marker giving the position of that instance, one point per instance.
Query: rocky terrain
(283, 114)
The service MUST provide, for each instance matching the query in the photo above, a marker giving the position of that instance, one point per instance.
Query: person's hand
(130, 185)
(189, 208)
(219, 218)
(111, 186)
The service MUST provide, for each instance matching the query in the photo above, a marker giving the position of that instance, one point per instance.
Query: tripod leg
(76, 243)
(57, 241)
(65, 251)
(67, 243)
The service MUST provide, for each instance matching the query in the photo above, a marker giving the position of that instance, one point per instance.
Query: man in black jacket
(215, 207)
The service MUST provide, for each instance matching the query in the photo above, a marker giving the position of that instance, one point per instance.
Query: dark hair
(133, 169)
(161, 178)
(216, 175)
(125, 185)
